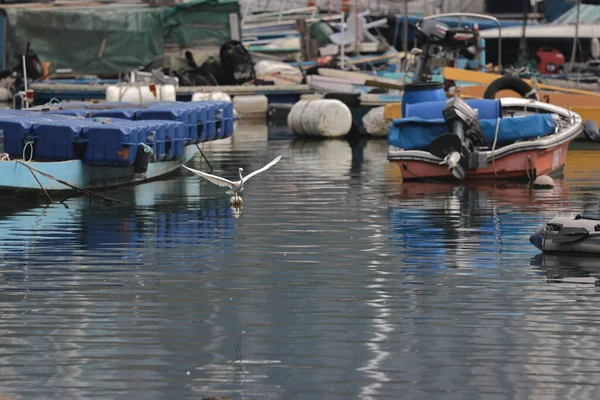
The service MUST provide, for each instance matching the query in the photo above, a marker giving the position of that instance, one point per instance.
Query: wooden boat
(523, 138)
(569, 235)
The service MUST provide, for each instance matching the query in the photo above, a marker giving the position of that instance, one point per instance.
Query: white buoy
(5, 94)
(543, 182)
(140, 94)
(251, 107)
(211, 96)
(326, 118)
(375, 124)
(294, 119)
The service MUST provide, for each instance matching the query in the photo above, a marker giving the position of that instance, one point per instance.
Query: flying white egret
(234, 187)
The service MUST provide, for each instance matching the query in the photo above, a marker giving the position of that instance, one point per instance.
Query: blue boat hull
(14, 176)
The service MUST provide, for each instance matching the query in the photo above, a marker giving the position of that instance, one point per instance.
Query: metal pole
(576, 38)
(356, 33)
(24, 73)
(405, 29)
(343, 45)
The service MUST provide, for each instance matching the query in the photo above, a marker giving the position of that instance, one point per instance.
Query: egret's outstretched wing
(258, 171)
(217, 180)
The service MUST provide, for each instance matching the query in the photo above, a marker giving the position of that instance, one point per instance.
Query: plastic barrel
(421, 92)
(486, 109)
(324, 118)
(252, 106)
(294, 117)
(139, 94)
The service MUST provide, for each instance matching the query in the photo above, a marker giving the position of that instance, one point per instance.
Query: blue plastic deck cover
(122, 113)
(171, 114)
(486, 109)
(191, 111)
(112, 143)
(53, 140)
(417, 133)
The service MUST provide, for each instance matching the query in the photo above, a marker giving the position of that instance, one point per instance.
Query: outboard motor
(457, 148)
(434, 34)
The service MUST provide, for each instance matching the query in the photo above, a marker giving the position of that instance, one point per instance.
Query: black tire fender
(510, 83)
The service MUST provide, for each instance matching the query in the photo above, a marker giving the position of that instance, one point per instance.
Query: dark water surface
(334, 282)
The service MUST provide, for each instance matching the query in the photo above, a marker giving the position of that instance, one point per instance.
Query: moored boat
(569, 235)
(95, 146)
(505, 138)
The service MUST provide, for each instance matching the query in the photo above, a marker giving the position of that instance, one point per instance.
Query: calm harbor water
(334, 282)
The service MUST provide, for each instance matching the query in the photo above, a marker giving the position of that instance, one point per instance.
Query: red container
(549, 60)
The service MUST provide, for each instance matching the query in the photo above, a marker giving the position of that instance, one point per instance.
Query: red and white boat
(454, 140)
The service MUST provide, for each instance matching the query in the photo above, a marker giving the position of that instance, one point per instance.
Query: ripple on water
(333, 282)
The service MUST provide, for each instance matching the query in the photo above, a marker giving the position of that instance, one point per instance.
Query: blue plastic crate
(223, 117)
(151, 132)
(112, 143)
(15, 129)
(171, 114)
(155, 133)
(199, 116)
(57, 140)
(121, 113)
(75, 112)
(208, 114)
(174, 140)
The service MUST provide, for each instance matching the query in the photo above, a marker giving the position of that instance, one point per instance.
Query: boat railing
(475, 15)
(264, 17)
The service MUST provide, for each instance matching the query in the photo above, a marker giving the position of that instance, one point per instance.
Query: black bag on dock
(237, 63)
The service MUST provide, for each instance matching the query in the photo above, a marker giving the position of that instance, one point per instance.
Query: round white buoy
(211, 96)
(5, 94)
(253, 106)
(543, 182)
(294, 119)
(326, 118)
(375, 124)
(139, 94)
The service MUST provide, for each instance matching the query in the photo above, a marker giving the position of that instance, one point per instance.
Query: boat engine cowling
(434, 35)
(458, 148)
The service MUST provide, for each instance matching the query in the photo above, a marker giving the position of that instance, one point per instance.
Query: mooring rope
(203, 156)
(88, 193)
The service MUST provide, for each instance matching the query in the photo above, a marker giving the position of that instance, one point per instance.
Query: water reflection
(337, 158)
(573, 269)
(64, 261)
(462, 225)
(151, 224)
(336, 282)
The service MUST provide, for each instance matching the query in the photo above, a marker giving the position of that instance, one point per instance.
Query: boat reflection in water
(450, 225)
(154, 216)
(80, 281)
(568, 269)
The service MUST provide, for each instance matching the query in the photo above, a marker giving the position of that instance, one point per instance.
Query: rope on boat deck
(88, 193)
(4, 157)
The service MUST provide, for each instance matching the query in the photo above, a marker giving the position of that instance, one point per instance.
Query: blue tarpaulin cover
(417, 133)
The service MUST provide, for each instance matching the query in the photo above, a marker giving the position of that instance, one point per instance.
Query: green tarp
(113, 39)
(200, 23)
